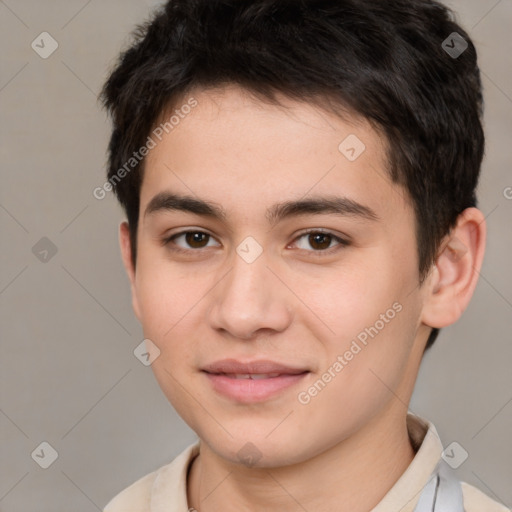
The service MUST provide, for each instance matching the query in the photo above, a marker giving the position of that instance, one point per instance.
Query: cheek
(363, 377)
(165, 296)
(372, 318)
(169, 302)
(351, 297)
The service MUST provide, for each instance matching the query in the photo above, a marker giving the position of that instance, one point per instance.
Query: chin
(259, 451)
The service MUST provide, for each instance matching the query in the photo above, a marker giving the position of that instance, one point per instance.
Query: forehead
(237, 150)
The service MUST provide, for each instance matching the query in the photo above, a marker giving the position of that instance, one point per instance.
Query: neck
(353, 475)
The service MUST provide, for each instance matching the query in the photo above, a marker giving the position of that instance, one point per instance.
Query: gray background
(68, 375)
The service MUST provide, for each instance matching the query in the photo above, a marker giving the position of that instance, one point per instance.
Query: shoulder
(476, 501)
(167, 481)
(134, 498)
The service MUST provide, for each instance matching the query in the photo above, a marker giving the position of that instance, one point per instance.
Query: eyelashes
(312, 233)
(314, 236)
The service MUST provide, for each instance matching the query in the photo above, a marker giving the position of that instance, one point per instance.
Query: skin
(347, 447)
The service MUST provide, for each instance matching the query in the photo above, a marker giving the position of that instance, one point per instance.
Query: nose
(251, 299)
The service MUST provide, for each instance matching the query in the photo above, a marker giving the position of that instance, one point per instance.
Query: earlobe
(126, 254)
(456, 270)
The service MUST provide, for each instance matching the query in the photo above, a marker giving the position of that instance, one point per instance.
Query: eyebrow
(316, 205)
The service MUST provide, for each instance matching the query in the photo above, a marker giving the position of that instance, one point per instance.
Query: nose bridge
(250, 297)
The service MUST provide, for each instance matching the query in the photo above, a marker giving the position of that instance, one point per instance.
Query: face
(293, 261)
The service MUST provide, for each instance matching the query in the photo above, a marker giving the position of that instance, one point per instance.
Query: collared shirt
(165, 490)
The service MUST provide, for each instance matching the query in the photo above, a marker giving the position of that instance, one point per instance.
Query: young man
(299, 182)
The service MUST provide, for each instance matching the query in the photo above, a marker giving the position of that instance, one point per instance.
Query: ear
(456, 270)
(126, 253)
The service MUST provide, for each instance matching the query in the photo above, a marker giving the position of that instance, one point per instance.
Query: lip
(232, 366)
(221, 375)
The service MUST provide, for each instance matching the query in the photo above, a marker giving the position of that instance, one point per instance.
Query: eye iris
(313, 238)
(317, 240)
(195, 237)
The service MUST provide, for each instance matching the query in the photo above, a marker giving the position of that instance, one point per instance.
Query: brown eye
(320, 242)
(194, 240)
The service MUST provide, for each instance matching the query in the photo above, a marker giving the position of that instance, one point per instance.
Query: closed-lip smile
(252, 381)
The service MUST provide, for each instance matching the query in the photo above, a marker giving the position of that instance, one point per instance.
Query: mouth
(252, 368)
(253, 376)
(254, 381)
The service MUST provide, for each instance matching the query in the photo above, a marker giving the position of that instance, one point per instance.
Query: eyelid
(342, 241)
(169, 239)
